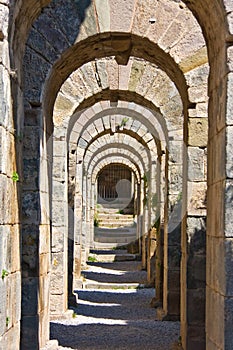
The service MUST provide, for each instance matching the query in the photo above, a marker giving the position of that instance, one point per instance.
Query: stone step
(115, 225)
(115, 234)
(88, 284)
(101, 214)
(115, 240)
(108, 245)
(113, 257)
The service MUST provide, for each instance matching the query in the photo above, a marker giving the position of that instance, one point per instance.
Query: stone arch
(217, 55)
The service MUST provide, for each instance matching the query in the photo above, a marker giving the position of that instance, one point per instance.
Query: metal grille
(108, 179)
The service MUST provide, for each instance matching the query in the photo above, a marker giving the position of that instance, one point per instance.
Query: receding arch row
(127, 150)
(115, 157)
(138, 77)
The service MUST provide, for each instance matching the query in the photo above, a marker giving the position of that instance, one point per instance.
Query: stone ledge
(65, 316)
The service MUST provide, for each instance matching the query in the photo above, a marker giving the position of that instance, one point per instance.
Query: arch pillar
(193, 239)
(59, 243)
(35, 233)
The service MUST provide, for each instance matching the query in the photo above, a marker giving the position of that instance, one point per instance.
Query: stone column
(79, 257)
(172, 233)
(219, 290)
(193, 264)
(35, 234)
(59, 276)
(10, 189)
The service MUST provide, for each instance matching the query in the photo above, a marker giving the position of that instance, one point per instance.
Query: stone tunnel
(125, 105)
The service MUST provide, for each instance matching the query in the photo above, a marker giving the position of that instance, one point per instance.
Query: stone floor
(114, 311)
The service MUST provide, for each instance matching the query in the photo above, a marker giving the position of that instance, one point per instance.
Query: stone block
(30, 246)
(44, 290)
(228, 323)
(215, 222)
(175, 179)
(123, 11)
(30, 332)
(31, 207)
(229, 104)
(197, 198)
(198, 132)
(3, 306)
(228, 274)
(16, 298)
(196, 271)
(137, 71)
(11, 339)
(7, 152)
(230, 58)
(215, 317)
(44, 261)
(35, 76)
(198, 76)
(196, 235)
(198, 340)
(173, 303)
(44, 327)
(196, 306)
(173, 280)
(230, 21)
(174, 256)
(57, 284)
(216, 273)
(31, 142)
(197, 164)
(30, 287)
(176, 152)
(4, 16)
(5, 248)
(38, 43)
(210, 345)
(8, 201)
(58, 304)
(229, 151)
(59, 210)
(228, 208)
(31, 174)
(44, 243)
(59, 166)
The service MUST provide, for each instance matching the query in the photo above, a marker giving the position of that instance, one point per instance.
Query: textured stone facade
(84, 84)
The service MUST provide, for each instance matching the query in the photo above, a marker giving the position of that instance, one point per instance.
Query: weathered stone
(198, 128)
(196, 164)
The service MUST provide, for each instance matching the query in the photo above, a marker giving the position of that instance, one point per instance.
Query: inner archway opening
(116, 205)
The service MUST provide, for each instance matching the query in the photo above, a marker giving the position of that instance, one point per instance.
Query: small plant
(92, 258)
(145, 180)
(19, 137)
(74, 315)
(7, 321)
(179, 341)
(120, 211)
(179, 197)
(15, 176)
(55, 262)
(124, 121)
(83, 278)
(5, 273)
(96, 220)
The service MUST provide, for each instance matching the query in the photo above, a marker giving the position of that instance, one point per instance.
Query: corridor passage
(114, 309)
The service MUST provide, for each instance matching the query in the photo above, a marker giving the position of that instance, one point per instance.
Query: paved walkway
(114, 312)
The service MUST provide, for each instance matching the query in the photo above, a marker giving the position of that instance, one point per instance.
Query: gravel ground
(115, 319)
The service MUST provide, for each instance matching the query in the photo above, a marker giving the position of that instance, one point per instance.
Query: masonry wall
(10, 180)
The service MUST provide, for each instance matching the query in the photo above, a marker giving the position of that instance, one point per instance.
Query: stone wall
(11, 182)
(78, 55)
